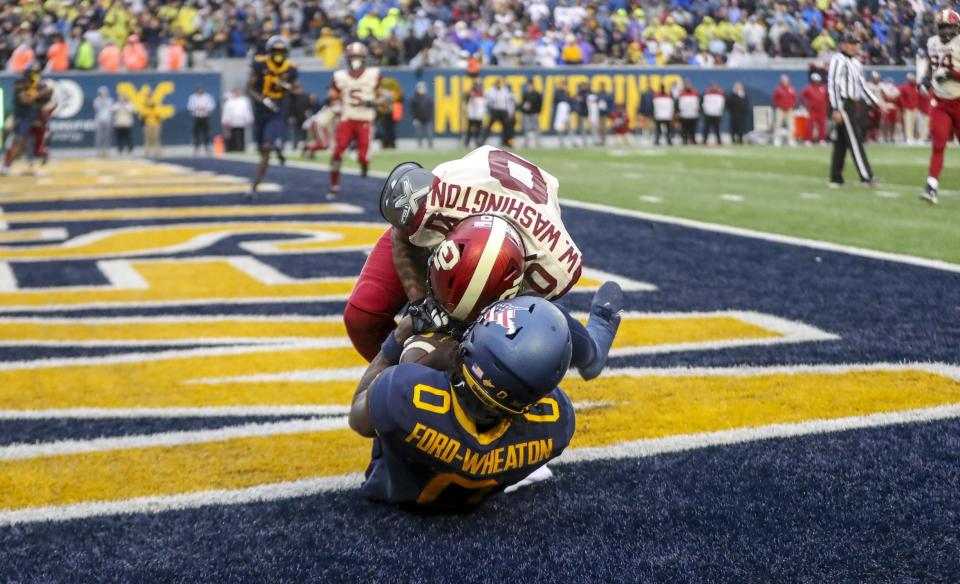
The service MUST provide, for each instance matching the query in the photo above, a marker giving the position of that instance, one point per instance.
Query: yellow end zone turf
(639, 407)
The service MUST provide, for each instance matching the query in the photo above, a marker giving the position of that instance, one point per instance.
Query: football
(433, 350)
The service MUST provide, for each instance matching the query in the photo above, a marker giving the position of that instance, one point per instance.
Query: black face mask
(278, 58)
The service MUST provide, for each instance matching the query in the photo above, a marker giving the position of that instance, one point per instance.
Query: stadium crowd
(133, 35)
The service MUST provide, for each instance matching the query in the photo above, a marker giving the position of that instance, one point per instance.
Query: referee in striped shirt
(848, 93)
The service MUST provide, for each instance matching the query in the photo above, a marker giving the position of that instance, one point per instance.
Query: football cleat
(602, 325)
(929, 195)
(333, 193)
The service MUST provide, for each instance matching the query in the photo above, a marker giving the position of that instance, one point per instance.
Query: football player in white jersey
(942, 75)
(357, 86)
(497, 211)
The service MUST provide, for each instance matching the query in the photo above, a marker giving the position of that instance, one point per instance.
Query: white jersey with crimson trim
(944, 60)
(495, 182)
(356, 92)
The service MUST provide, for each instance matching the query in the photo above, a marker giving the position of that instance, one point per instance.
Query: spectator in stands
(421, 111)
(572, 53)
(502, 32)
(663, 112)
(814, 99)
(824, 44)
(103, 119)
(85, 58)
(23, 55)
(109, 59)
(713, 103)
(124, 114)
(738, 106)
(688, 110)
(237, 115)
(531, 104)
(784, 102)
(877, 53)
(500, 107)
(174, 55)
(909, 104)
(200, 105)
(329, 48)
(134, 54)
(58, 55)
(476, 106)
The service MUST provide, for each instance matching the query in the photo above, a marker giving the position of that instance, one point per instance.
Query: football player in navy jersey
(273, 78)
(29, 94)
(449, 439)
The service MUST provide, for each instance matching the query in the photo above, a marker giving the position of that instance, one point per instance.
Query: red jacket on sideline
(909, 96)
(784, 97)
(814, 98)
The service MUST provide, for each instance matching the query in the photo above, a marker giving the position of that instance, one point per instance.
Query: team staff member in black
(848, 92)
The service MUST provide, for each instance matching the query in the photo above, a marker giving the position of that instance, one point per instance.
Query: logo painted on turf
(160, 304)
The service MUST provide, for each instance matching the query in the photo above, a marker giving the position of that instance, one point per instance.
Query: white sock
(933, 183)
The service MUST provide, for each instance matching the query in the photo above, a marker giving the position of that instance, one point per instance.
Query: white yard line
(773, 237)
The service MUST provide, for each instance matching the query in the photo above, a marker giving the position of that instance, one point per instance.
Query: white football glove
(270, 104)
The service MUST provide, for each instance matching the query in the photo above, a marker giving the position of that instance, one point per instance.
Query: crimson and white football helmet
(480, 261)
(356, 56)
(948, 24)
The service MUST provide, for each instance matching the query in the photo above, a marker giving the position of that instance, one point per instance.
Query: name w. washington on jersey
(495, 182)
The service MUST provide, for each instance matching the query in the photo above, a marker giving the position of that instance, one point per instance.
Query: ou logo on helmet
(447, 256)
(69, 98)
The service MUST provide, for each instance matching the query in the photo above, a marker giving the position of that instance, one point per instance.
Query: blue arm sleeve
(584, 347)
(379, 399)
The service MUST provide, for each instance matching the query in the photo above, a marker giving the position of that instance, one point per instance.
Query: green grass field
(777, 190)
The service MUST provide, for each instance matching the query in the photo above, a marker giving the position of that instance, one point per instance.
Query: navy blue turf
(878, 505)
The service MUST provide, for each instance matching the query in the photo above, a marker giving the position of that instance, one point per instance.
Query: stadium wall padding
(74, 126)
(73, 123)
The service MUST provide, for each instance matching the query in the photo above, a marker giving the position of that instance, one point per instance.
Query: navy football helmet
(279, 48)
(515, 353)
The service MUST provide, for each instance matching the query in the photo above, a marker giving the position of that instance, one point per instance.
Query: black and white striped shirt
(845, 82)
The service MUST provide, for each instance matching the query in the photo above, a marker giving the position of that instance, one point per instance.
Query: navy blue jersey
(428, 451)
(24, 88)
(269, 81)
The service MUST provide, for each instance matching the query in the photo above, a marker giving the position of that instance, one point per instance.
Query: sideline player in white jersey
(942, 74)
(357, 86)
(489, 224)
